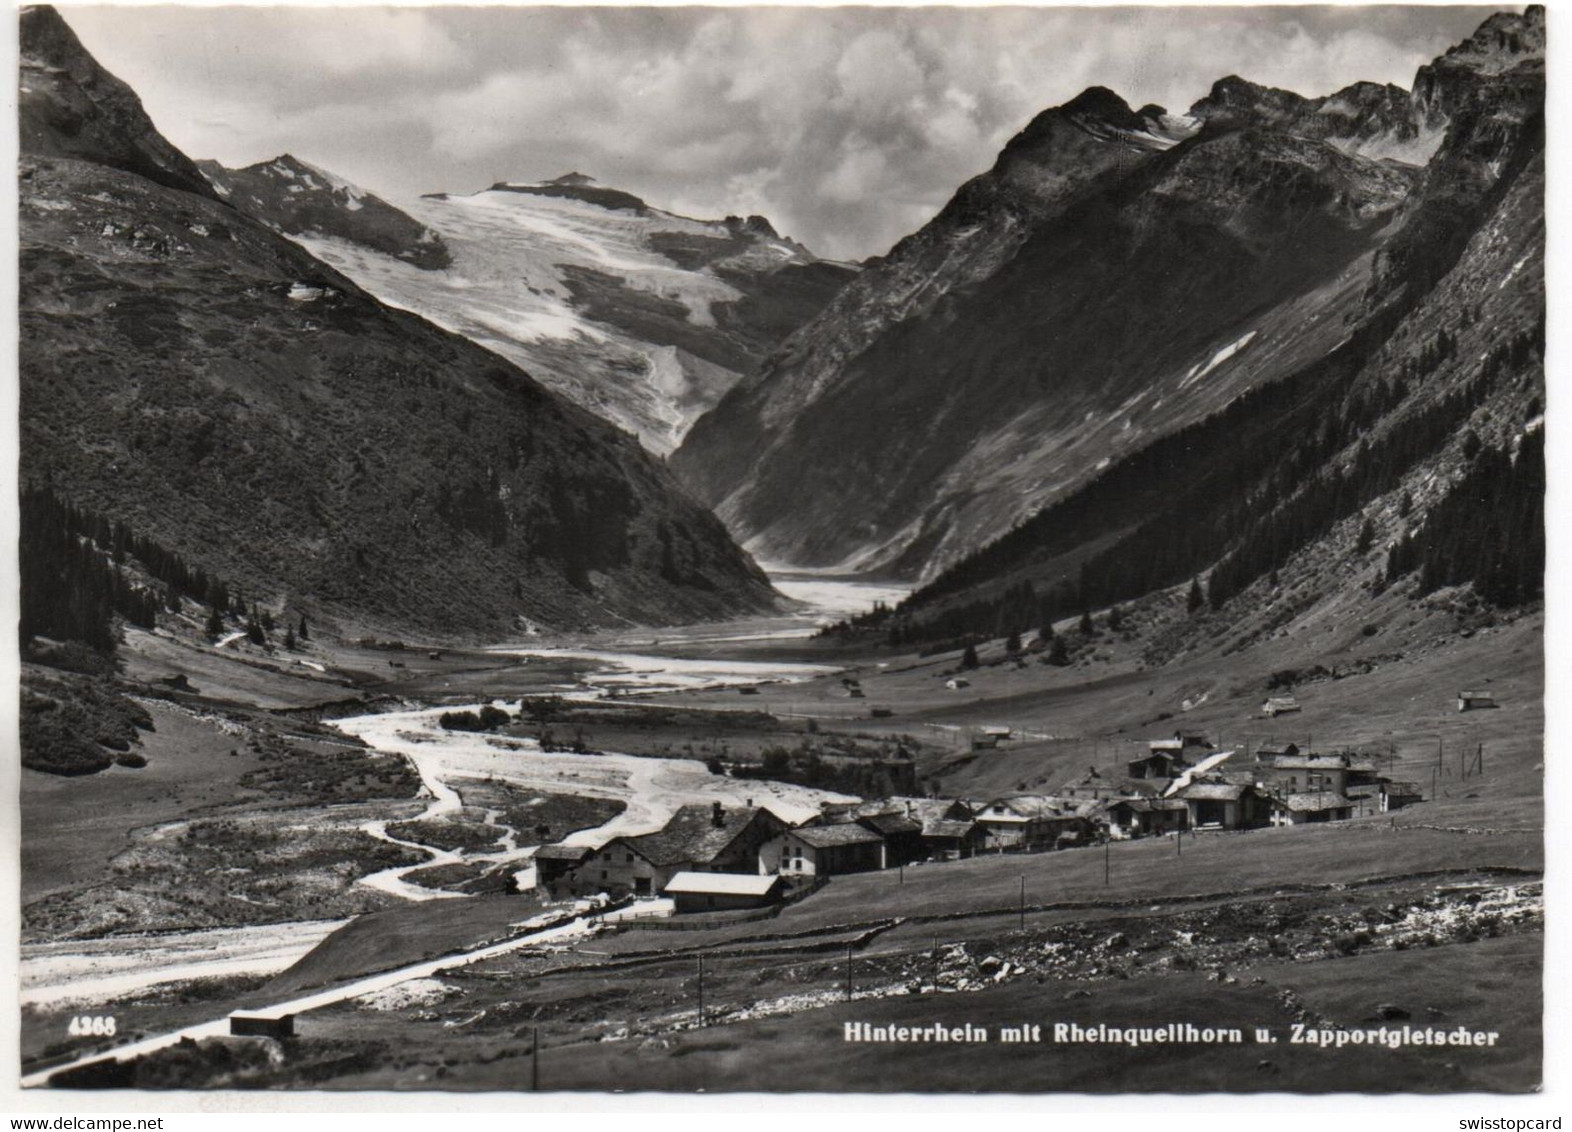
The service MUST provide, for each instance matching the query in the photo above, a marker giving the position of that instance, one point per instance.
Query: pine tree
(254, 633)
(969, 657)
(1012, 643)
(1087, 627)
(1115, 618)
(289, 637)
(1366, 537)
(1046, 632)
(1196, 598)
(305, 634)
(1058, 654)
(215, 623)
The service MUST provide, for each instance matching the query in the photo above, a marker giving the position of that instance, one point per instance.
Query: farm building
(1475, 701)
(1028, 821)
(697, 838)
(1396, 795)
(720, 892)
(823, 850)
(1155, 764)
(1280, 705)
(1306, 773)
(957, 682)
(1271, 752)
(951, 840)
(1095, 787)
(1303, 809)
(1142, 817)
(902, 836)
(1224, 805)
(945, 826)
(554, 862)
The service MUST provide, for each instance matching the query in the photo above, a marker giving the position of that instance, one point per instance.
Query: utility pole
(701, 990)
(1105, 862)
(1023, 902)
(534, 1062)
(1179, 843)
(848, 972)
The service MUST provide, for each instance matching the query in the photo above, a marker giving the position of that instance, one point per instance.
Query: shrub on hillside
(493, 717)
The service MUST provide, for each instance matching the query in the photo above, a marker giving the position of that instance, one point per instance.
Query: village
(719, 859)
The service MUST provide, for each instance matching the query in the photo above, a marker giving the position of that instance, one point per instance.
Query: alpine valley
(1152, 637)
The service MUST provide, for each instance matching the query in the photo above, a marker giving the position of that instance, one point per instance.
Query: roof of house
(1275, 751)
(1028, 806)
(924, 810)
(1282, 701)
(692, 835)
(721, 884)
(1313, 762)
(562, 852)
(1477, 695)
(827, 836)
(1166, 744)
(1214, 791)
(890, 824)
(1150, 805)
(1316, 801)
(956, 829)
(1404, 788)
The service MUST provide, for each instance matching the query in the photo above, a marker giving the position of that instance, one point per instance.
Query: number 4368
(92, 1025)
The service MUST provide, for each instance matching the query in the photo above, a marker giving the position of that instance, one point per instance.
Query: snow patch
(1197, 371)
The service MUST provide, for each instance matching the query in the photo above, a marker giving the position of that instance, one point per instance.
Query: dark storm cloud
(848, 127)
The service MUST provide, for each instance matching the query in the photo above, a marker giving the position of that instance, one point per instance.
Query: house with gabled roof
(1316, 806)
(722, 892)
(1217, 804)
(1271, 752)
(1301, 773)
(823, 850)
(1030, 821)
(1145, 817)
(697, 838)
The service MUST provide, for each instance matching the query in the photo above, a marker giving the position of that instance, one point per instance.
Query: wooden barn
(722, 892)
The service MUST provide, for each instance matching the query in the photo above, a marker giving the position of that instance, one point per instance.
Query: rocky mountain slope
(1119, 276)
(1407, 461)
(298, 199)
(644, 317)
(189, 372)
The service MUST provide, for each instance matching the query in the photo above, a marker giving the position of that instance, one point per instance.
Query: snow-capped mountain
(642, 316)
(1118, 276)
(188, 371)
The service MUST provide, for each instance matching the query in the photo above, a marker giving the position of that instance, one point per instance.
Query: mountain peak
(573, 179)
(1100, 102)
(71, 107)
(1502, 42)
(1235, 97)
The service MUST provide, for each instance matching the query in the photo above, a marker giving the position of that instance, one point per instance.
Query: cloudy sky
(847, 127)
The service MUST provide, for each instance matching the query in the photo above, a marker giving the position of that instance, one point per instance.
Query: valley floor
(307, 836)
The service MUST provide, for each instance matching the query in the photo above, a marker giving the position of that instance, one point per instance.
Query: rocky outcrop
(298, 199)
